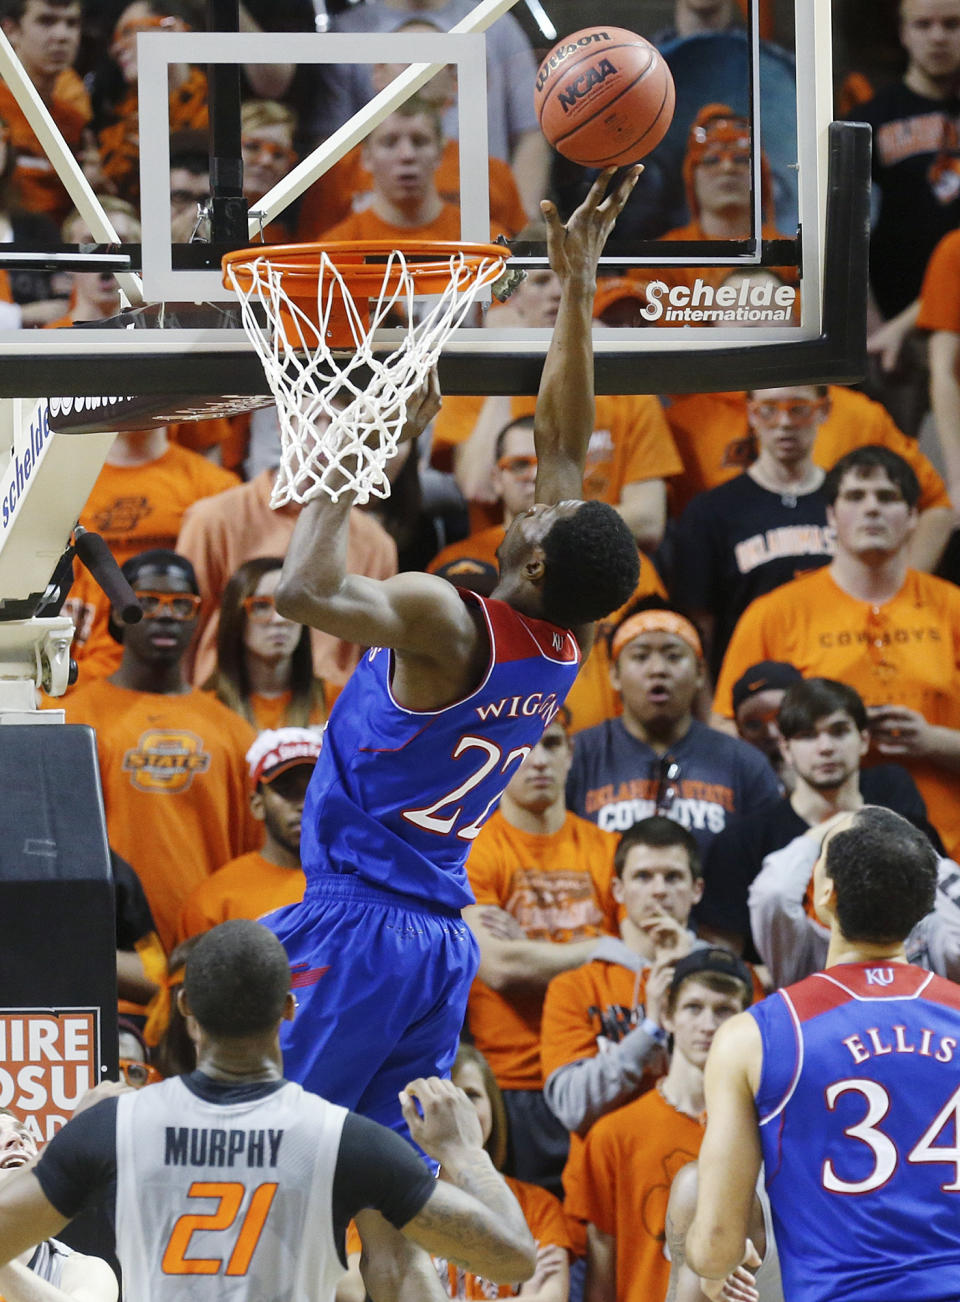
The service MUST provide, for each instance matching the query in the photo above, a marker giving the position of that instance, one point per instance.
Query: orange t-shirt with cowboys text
(175, 787)
(905, 652)
(558, 889)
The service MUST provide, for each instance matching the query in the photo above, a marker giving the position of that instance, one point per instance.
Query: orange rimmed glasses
(172, 605)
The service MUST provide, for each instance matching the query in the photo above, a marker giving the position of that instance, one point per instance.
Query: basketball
(604, 97)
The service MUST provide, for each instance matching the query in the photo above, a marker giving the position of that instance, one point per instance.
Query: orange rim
(428, 261)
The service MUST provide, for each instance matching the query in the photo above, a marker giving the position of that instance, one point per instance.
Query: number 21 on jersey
(225, 1217)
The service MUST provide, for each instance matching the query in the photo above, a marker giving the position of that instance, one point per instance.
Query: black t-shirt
(916, 168)
(736, 856)
(375, 1168)
(134, 919)
(738, 541)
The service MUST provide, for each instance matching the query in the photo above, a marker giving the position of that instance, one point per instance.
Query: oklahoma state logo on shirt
(165, 760)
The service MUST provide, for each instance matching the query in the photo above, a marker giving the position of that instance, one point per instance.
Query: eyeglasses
(173, 605)
(797, 410)
(517, 465)
(138, 1074)
(668, 784)
(260, 609)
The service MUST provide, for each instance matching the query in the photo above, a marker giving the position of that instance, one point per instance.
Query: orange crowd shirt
(544, 1216)
(905, 652)
(175, 787)
(714, 440)
(366, 225)
(558, 889)
(346, 187)
(622, 1182)
(134, 508)
(587, 1008)
(119, 140)
(37, 186)
(222, 532)
(631, 440)
(247, 887)
(940, 295)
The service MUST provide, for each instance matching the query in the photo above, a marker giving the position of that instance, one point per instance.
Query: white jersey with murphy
(227, 1202)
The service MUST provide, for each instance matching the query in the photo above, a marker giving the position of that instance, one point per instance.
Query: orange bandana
(656, 621)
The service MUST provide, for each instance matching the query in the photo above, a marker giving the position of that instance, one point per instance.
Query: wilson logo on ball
(577, 88)
(561, 52)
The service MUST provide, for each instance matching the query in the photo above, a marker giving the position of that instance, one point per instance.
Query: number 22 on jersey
(224, 1218)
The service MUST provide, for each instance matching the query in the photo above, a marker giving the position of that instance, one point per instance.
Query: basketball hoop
(311, 312)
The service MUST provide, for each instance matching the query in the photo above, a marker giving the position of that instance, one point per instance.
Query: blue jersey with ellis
(859, 1109)
(398, 796)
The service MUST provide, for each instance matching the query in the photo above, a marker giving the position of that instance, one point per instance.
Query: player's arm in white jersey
(421, 615)
(730, 1155)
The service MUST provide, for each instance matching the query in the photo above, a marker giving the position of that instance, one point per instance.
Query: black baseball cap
(766, 676)
(712, 958)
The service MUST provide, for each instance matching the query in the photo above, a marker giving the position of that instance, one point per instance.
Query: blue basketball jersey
(859, 1109)
(398, 796)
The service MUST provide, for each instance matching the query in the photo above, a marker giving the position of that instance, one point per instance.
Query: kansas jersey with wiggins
(398, 795)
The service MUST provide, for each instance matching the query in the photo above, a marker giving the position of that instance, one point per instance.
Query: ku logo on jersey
(879, 976)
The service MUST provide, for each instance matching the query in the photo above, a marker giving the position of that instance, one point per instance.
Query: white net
(342, 411)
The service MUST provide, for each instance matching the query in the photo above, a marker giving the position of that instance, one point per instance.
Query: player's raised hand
(445, 1124)
(574, 248)
(422, 407)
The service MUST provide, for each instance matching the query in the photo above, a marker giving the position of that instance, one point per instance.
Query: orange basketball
(604, 97)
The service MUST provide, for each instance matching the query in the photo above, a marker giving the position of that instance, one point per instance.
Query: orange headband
(656, 621)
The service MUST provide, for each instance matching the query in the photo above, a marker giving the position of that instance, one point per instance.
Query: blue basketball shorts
(382, 989)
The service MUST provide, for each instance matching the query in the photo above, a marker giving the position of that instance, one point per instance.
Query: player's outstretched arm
(471, 1218)
(564, 416)
(730, 1154)
(413, 613)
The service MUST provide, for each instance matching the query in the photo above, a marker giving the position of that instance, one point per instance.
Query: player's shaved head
(237, 979)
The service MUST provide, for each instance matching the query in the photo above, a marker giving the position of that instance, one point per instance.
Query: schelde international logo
(752, 304)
